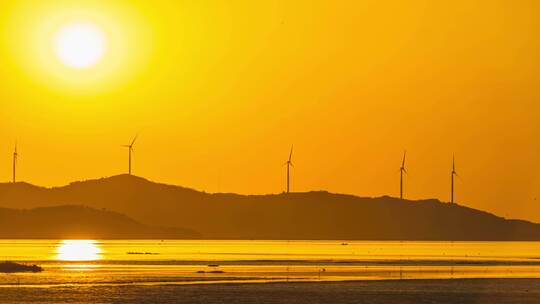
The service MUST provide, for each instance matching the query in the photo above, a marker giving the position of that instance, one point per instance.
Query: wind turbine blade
(134, 139)
(290, 154)
(403, 161)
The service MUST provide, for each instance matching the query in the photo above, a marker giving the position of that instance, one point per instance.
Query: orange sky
(220, 90)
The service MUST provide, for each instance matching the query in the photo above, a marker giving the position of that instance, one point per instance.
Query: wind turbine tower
(454, 173)
(401, 171)
(15, 156)
(289, 164)
(130, 149)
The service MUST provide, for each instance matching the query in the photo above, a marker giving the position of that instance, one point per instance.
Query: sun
(80, 44)
(78, 250)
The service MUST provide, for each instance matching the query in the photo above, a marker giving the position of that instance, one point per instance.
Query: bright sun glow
(78, 250)
(80, 44)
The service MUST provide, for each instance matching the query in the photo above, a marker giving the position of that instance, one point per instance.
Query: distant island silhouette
(127, 206)
(79, 222)
(11, 267)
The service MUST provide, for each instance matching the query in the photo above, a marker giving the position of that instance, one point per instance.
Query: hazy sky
(220, 90)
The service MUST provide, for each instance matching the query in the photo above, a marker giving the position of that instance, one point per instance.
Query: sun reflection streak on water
(78, 250)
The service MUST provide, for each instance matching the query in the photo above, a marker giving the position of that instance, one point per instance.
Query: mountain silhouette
(78, 222)
(309, 215)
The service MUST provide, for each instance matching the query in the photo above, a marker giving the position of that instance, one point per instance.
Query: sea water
(157, 262)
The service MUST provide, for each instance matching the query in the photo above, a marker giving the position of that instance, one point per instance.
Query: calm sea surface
(89, 262)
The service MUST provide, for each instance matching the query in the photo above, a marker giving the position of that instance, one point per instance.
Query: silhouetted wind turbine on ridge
(289, 164)
(401, 171)
(15, 156)
(454, 173)
(130, 149)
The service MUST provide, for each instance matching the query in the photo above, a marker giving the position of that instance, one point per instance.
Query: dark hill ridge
(311, 215)
(78, 222)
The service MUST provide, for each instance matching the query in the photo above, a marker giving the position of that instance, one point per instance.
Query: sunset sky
(220, 90)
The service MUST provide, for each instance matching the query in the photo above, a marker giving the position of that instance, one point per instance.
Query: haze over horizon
(220, 93)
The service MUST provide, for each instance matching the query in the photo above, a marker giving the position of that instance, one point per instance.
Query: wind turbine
(15, 156)
(130, 149)
(454, 173)
(289, 164)
(401, 171)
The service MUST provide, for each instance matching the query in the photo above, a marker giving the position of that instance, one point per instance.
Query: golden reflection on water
(198, 262)
(78, 250)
